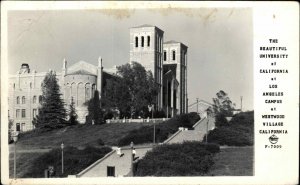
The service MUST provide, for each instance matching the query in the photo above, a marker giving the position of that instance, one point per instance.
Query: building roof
(148, 25)
(144, 25)
(174, 42)
(81, 72)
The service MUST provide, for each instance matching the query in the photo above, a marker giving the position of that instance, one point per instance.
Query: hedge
(162, 130)
(238, 132)
(187, 159)
(75, 161)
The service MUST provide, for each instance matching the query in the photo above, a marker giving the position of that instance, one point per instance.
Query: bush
(187, 159)
(100, 142)
(238, 132)
(221, 120)
(75, 161)
(162, 130)
(159, 114)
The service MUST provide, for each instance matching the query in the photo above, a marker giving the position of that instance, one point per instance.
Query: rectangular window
(165, 55)
(136, 42)
(142, 41)
(173, 55)
(110, 171)
(18, 127)
(22, 127)
(23, 113)
(34, 113)
(148, 41)
(17, 113)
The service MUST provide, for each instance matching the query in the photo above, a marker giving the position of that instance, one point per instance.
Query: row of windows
(173, 55)
(21, 113)
(20, 128)
(18, 112)
(33, 99)
(30, 85)
(142, 41)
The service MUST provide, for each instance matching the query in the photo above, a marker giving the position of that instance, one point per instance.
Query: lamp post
(197, 104)
(151, 108)
(207, 116)
(15, 137)
(62, 158)
(131, 159)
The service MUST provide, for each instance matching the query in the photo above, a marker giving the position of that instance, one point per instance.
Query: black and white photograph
(131, 92)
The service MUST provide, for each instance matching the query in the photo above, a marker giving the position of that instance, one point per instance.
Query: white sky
(219, 41)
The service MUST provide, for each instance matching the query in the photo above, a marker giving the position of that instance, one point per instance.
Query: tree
(133, 91)
(10, 125)
(52, 113)
(223, 104)
(95, 113)
(72, 114)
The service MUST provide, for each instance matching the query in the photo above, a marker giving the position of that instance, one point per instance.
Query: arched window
(40, 99)
(165, 55)
(142, 41)
(34, 99)
(87, 92)
(73, 90)
(14, 85)
(18, 100)
(93, 89)
(30, 85)
(80, 98)
(148, 41)
(23, 100)
(136, 42)
(67, 91)
(173, 55)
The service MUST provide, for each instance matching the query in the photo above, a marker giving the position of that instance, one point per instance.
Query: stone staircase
(192, 135)
(122, 164)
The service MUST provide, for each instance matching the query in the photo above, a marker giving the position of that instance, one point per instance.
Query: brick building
(167, 61)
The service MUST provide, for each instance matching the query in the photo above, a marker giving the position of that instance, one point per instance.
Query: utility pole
(241, 103)
(197, 105)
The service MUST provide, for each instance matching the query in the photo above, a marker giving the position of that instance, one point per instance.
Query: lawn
(233, 161)
(77, 136)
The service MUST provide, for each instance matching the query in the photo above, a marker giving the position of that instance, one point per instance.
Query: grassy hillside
(162, 130)
(32, 145)
(239, 131)
(187, 159)
(233, 161)
(79, 135)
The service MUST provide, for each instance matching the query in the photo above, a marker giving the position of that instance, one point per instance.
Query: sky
(219, 40)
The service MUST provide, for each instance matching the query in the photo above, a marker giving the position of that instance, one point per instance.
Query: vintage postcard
(149, 92)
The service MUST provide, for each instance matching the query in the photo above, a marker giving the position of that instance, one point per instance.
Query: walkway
(193, 135)
(122, 163)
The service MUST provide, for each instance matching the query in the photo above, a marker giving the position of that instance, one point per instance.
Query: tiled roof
(172, 42)
(144, 25)
(80, 72)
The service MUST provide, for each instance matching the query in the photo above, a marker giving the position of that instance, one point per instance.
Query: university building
(166, 60)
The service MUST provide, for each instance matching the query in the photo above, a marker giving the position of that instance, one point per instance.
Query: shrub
(238, 132)
(159, 114)
(100, 142)
(74, 161)
(221, 120)
(189, 158)
(162, 130)
(212, 147)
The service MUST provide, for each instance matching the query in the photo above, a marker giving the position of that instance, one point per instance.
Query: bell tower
(146, 48)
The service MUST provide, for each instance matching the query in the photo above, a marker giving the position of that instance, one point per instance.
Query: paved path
(200, 129)
(121, 163)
